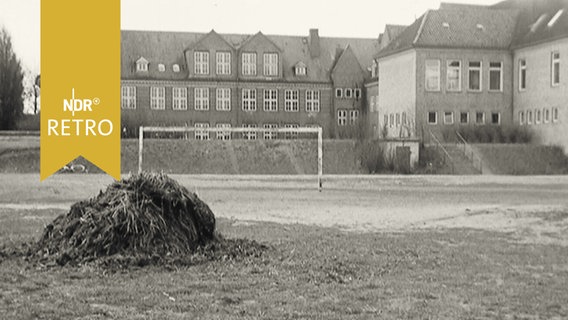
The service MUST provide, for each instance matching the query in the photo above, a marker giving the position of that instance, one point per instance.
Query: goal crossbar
(317, 130)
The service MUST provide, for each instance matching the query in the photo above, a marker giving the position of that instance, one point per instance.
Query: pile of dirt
(145, 219)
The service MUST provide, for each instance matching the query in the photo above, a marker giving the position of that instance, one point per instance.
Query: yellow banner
(80, 84)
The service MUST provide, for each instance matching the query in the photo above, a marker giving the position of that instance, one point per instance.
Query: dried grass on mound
(147, 218)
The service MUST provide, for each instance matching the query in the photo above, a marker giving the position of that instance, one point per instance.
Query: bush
(495, 134)
(372, 156)
(28, 122)
(430, 160)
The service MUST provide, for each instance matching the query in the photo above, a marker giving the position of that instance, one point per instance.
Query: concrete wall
(464, 100)
(397, 91)
(540, 94)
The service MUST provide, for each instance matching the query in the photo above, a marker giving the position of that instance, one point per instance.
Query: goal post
(227, 130)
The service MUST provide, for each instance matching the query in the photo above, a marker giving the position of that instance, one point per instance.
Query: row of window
(395, 119)
(223, 63)
(345, 117)
(223, 99)
(448, 117)
(348, 93)
(454, 76)
(538, 116)
(554, 71)
(252, 135)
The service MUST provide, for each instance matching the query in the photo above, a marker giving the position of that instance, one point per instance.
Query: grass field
(365, 248)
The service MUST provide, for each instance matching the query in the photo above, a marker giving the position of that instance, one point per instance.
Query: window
(554, 114)
(546, 115)
(448, 117)
(249, 64)
(249, 135)
(291, 100)
(555, 18)
(357, 93)
(201, 59)
(386, 120)
(223, 135)
(404, 118)
(521, 118)
(479, 117)
(374, 68)
(271, 64)
(453, 75)
(223, 60)
(141, 65)
(353, 116)
(270, 100)
(175, 68)
(537, 116)
(474, 76)
(179, 98)
(495, 118)
(249, 99)
(372, 104)
(529, 117)
(342, 117)
(495, 76)
(432, 117)
(223, 99)
(464, 117)
(161, 67)
(201, 98)
(300, 70)
(201, 134)
(555, 68)
(128, 97)
(157, 98)
(312, 101)
(398, 119)
(432, 75)
(270, 135)
(338, 93)
(348, 93)
(522, 74)
(291, 135)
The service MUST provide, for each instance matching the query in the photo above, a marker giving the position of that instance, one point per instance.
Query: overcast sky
(346, 18)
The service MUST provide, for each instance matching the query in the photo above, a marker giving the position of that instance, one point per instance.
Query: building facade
(214, 80)
(450, 68)
(468, 65)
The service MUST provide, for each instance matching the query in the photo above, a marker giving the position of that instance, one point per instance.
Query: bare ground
(381, 247)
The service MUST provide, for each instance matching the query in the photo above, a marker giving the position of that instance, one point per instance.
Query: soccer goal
(225, 133)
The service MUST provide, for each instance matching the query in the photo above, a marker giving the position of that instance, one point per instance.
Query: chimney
(314, 43)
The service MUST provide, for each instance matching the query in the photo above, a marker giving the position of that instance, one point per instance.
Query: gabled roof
(211, 34)
(394, 30)
(472, 27)
(168, 48)
(261, 37)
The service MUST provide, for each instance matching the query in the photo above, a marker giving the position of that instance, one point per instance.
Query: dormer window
(175, 67)
(161, 67)
(300, 69)
(141, 65)
(555, 18)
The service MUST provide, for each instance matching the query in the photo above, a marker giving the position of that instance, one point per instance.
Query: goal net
(227, 146)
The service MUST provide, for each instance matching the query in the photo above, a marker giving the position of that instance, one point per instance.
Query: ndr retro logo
(79, 127)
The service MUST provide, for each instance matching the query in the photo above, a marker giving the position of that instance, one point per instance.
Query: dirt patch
(525, 224)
